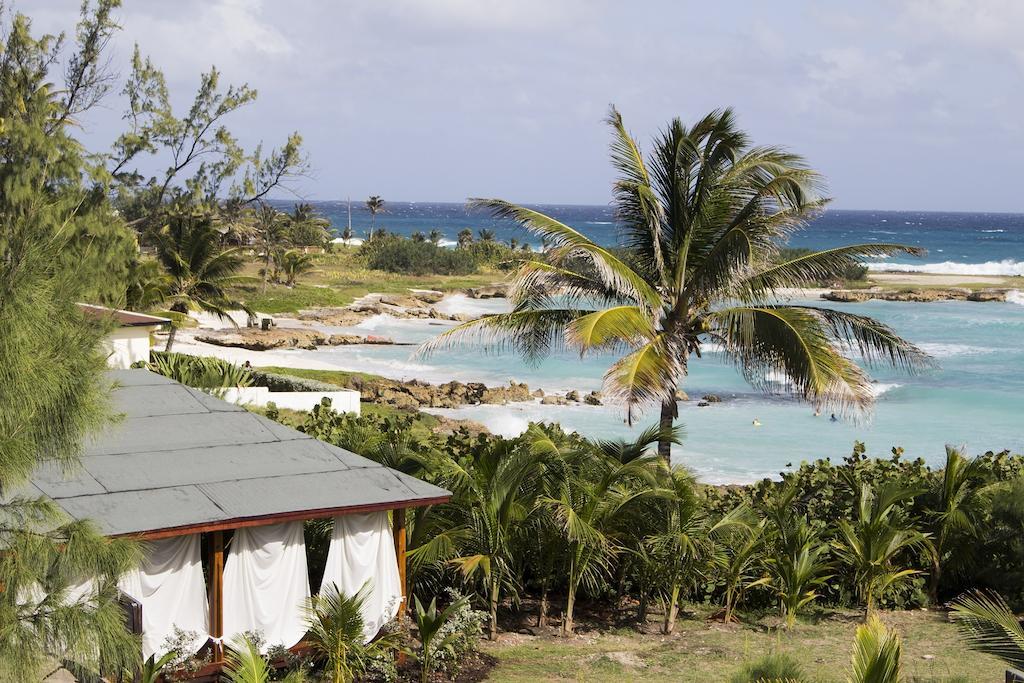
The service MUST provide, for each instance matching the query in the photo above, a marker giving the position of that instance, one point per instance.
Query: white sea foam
(1004, 267)
(1015, 296)
(998, 230)
(880, 388)
(941, 350)
(447, 243)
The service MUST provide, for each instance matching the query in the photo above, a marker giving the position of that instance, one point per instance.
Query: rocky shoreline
(920, 295)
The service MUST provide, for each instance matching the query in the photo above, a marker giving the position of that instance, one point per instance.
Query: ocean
(974, 397)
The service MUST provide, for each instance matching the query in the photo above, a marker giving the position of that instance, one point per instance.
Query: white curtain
(363, 549)
(266, 585)
(170, 585)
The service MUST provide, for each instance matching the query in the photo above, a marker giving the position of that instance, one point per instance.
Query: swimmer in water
(834, 418)
(817, 412)
(756, 422)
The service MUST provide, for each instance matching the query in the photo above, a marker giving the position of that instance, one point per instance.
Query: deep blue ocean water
(974, 397)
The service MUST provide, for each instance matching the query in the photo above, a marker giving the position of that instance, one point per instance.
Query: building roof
(124, 318)
(181, 461)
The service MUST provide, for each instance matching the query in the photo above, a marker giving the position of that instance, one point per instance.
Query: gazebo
(220, 495)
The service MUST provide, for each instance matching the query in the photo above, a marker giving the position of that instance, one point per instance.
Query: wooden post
(217, 593)
(398, 526)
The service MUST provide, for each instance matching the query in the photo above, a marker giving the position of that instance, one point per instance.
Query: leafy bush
(774, 667)
(453, 633)
(400, 255)
(276, 382)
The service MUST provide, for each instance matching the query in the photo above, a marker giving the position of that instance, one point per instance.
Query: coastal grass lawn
(341, 278)
(711, 651)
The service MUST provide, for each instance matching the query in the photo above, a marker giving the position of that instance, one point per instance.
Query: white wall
(127, 345)
(343, 400)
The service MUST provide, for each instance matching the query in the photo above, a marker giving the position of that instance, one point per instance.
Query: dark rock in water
(703, 404)
(538, 394)
(427, 296)
(572, 395)
(553, 400)
(988, 294)
(593, 398)
(496, 291)
(711, 398)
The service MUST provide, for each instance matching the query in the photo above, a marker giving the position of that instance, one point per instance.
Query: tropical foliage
(554, 520)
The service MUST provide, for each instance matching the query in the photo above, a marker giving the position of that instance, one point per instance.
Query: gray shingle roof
(180, 458)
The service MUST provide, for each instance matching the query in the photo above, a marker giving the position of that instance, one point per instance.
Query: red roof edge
(123, 318)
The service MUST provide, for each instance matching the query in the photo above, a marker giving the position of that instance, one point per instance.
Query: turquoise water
(975, 397)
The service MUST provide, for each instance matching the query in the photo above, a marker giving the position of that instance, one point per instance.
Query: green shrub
(400, 255)
(770, 669)
(276, 382)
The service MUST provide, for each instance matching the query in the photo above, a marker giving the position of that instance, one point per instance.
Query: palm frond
(569, 243)
(876, 654)
(988, 625)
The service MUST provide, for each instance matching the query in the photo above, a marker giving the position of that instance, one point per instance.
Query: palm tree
(434, 638)
(271, 229)
(374, 205)
(198, 269)
(306, 226)
(465, 237)
(686, 545)
(435, 236)
(740, 566)
(418, 236)
(293, 264)
(495, 496)
(871, 546)
(485, 235)
(336, 632)
(989, 626)
(147, 285)
(592, 506)
(703, 218)
(797, 571)
(953, 510)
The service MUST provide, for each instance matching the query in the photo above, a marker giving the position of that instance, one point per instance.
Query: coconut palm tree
(703, 217)
(271, 229)
(199, 271)
(871, 546)
(435, 236)
(307, 227)
(485, 235)
(293, 264)
(605, 480)
(465, 237)
(496, 494)
(953, 511)
(374, 205)
(797, 571)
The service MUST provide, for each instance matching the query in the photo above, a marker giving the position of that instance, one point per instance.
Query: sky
(910, 104)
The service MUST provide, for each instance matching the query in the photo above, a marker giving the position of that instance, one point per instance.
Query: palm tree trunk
(672, 612)
(492, 631)
(933, 583)
(266, 265)
(542, 612)
(668, 417)
(570, 603)
(170, 338)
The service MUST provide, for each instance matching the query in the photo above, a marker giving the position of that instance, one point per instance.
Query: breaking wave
(1004, 267)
